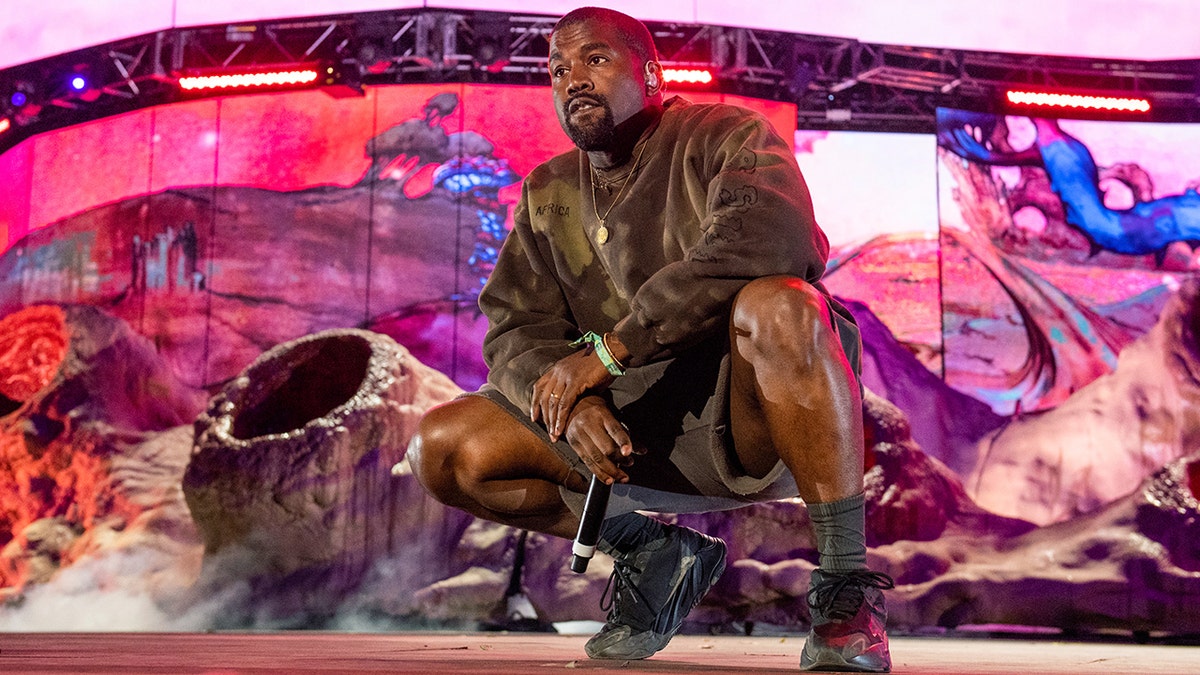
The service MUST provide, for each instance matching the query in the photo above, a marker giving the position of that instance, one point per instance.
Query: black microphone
(594, 508)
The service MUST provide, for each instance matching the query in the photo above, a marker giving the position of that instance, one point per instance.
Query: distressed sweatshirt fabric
(715, 201)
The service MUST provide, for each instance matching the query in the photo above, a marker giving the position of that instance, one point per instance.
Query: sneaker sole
(830, 659)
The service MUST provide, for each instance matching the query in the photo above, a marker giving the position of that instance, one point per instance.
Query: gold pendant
(602, 235)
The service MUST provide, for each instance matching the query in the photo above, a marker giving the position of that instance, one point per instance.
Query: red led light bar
(255, 80)
(1078, 101)
(688, 75)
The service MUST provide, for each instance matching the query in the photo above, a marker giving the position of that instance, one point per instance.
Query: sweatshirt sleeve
(758, 222)
(530, 324)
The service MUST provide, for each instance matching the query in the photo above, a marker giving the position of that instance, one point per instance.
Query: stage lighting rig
(236, 81)
(19, 106)
(240, 80)
(493, 37)
(688, 76)
(73, 87)
(16, 97)
(875, 87)
(1067, 102)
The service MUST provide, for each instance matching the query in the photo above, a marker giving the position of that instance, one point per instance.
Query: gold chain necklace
(602, 233)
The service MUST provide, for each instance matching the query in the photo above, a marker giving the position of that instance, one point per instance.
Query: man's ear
(654, 78)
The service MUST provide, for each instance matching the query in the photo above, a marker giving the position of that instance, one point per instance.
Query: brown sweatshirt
(715, 201)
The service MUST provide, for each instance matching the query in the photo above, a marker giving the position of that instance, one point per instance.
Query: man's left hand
(557, 390)
(600, 440)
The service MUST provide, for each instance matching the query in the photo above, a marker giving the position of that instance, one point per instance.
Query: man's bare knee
(463, 445)
(781, 310)
(435, 451)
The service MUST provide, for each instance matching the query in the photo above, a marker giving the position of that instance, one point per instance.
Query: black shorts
(678, 411)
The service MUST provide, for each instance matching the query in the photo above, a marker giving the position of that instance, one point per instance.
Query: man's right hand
(600, 440)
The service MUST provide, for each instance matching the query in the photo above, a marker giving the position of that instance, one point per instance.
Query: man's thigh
(495, 443)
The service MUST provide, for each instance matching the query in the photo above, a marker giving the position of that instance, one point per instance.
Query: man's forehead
(592, 34)
(591, 46)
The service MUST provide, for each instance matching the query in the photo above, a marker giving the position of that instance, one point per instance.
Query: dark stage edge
(529, 653)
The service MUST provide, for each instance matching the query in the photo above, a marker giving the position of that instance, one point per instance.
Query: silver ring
(553, 395)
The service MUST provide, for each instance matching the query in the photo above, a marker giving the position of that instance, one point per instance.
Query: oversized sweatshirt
(715, 201)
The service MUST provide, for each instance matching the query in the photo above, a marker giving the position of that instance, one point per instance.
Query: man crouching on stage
(657, 320)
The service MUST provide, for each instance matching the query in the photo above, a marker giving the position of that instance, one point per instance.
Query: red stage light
(1078, 101)
(688, 75)
(252, 80)
(5, 125)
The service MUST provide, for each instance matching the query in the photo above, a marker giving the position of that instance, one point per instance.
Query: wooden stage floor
(532, 653)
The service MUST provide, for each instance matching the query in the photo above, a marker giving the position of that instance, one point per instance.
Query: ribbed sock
(840, 529)
(626, 532)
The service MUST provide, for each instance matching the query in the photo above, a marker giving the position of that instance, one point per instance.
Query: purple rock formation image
(1070, 504)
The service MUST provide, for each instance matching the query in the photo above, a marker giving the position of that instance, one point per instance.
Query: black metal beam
(836, 83)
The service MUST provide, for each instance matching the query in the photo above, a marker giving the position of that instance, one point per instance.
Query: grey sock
(626, 532)
(840, 528)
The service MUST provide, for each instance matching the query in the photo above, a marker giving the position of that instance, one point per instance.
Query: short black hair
(634, 32)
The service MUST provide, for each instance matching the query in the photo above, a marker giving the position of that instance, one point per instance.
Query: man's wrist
(598, 344)
(612, 345)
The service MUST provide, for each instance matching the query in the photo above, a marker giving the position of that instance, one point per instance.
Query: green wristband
(597, 342)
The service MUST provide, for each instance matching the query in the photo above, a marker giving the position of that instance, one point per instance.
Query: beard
(597, 135)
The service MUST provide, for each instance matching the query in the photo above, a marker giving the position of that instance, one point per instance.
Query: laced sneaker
(652, 589)
(848, 617)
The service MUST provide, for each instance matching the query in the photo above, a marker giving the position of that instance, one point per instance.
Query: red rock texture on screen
(68, 445)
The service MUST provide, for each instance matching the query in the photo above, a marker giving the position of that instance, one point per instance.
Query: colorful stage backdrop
(1003, 271)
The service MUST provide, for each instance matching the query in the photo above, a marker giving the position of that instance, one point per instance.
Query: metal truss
(836, 83)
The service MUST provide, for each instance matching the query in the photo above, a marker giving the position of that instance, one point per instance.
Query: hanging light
(248, 80)
(1078, 102)
(693, 76)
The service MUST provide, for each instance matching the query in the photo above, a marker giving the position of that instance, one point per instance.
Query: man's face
(598, 83)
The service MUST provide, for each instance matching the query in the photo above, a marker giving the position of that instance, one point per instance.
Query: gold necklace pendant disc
(602, 233)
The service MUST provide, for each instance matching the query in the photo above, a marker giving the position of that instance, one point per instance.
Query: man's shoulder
(712, 121)
(563, 165)
(685, 111)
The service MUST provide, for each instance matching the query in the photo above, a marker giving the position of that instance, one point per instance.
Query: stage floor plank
(526, 653)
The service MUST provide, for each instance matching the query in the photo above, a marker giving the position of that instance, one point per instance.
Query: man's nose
(578, 80)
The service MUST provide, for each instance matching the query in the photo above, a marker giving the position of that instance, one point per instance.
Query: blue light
(18, 99)
(78, 83)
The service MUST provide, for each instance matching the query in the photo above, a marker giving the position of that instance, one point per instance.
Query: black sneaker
(652, 589)
(848, 618)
